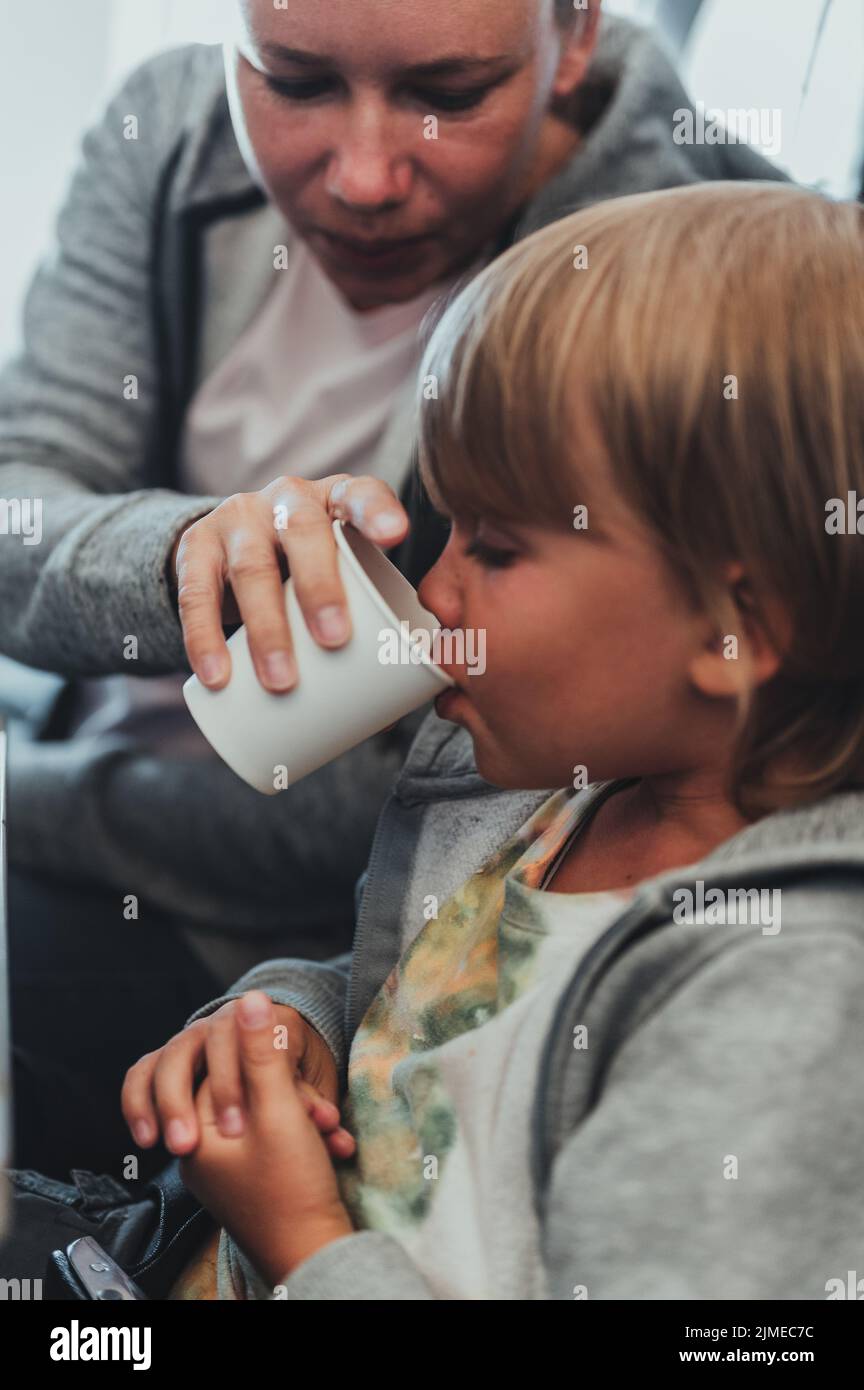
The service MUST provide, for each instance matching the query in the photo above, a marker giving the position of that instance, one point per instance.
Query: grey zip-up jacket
(163, 256)
(707, 1143)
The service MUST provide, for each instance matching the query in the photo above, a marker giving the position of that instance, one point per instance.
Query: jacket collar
(212, 170)
(441, 764)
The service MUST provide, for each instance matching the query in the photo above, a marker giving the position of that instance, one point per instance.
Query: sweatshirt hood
(626, 108)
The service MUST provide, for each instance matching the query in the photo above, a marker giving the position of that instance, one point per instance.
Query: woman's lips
(371, 255)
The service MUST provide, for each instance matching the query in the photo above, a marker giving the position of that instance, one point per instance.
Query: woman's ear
(579, 40)
(748, 654)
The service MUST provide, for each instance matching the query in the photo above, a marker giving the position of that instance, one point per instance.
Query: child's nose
(439, 593)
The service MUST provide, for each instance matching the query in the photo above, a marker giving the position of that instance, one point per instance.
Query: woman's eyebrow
(449, 66)
(294, 55)
(456, 66)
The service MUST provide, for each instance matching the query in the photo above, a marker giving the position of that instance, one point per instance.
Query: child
(622, 1060)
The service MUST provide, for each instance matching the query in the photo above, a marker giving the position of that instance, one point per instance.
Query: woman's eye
(310, 88)
(462, 100)
(490, 556)
(307, 90)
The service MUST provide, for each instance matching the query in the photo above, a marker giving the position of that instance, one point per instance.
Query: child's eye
(490, 556)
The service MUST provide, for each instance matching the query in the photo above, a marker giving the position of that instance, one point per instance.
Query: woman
(241, 273)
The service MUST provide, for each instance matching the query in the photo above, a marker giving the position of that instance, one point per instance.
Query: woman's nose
(369, 171)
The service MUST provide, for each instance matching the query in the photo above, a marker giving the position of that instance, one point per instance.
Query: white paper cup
(342, 697)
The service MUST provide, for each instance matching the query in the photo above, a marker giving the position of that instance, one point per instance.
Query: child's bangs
(495, 415)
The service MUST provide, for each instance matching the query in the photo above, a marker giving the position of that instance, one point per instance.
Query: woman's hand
(231, 564)
(273, 1187)
(158, 1094)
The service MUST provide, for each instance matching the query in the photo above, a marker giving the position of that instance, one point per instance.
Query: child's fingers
(204, 1105)
(269, 1083)
(324, 1114)
(337, 1140)
(158, 1093)
(137, 1103)
(323, 1111)
(174, 1089)
(340, 1144)
(223, 1071)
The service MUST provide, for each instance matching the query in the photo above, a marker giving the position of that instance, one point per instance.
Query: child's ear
(732, 663)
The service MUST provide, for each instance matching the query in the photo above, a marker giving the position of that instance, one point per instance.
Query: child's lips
(447, 703)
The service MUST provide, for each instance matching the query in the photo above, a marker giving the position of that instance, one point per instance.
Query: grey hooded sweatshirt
(707, 1142)
(146, 225)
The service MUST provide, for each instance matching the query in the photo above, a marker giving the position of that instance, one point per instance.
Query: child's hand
(158, 1094)
(273, 1187)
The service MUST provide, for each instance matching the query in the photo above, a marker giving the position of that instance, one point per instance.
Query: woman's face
(590, 653)
(398, 136)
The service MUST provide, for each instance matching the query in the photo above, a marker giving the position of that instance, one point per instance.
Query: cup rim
(377, 597)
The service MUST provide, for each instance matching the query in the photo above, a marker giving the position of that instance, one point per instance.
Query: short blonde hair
(714, 338)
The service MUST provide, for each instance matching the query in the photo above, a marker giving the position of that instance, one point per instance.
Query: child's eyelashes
(490, 556)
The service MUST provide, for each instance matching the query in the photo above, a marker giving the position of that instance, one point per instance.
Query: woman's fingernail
(231, 1122)
(254, 1010)
(281, 670)
(176, 1134)
(331, 624)
(143, 1133)
(210, 669)
(387, 524)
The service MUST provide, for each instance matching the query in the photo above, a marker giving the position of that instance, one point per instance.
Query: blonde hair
(714, 343)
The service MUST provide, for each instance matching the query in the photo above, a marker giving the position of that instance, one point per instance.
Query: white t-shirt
(308, 390)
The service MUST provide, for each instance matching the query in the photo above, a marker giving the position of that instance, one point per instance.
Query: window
(805, 61)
